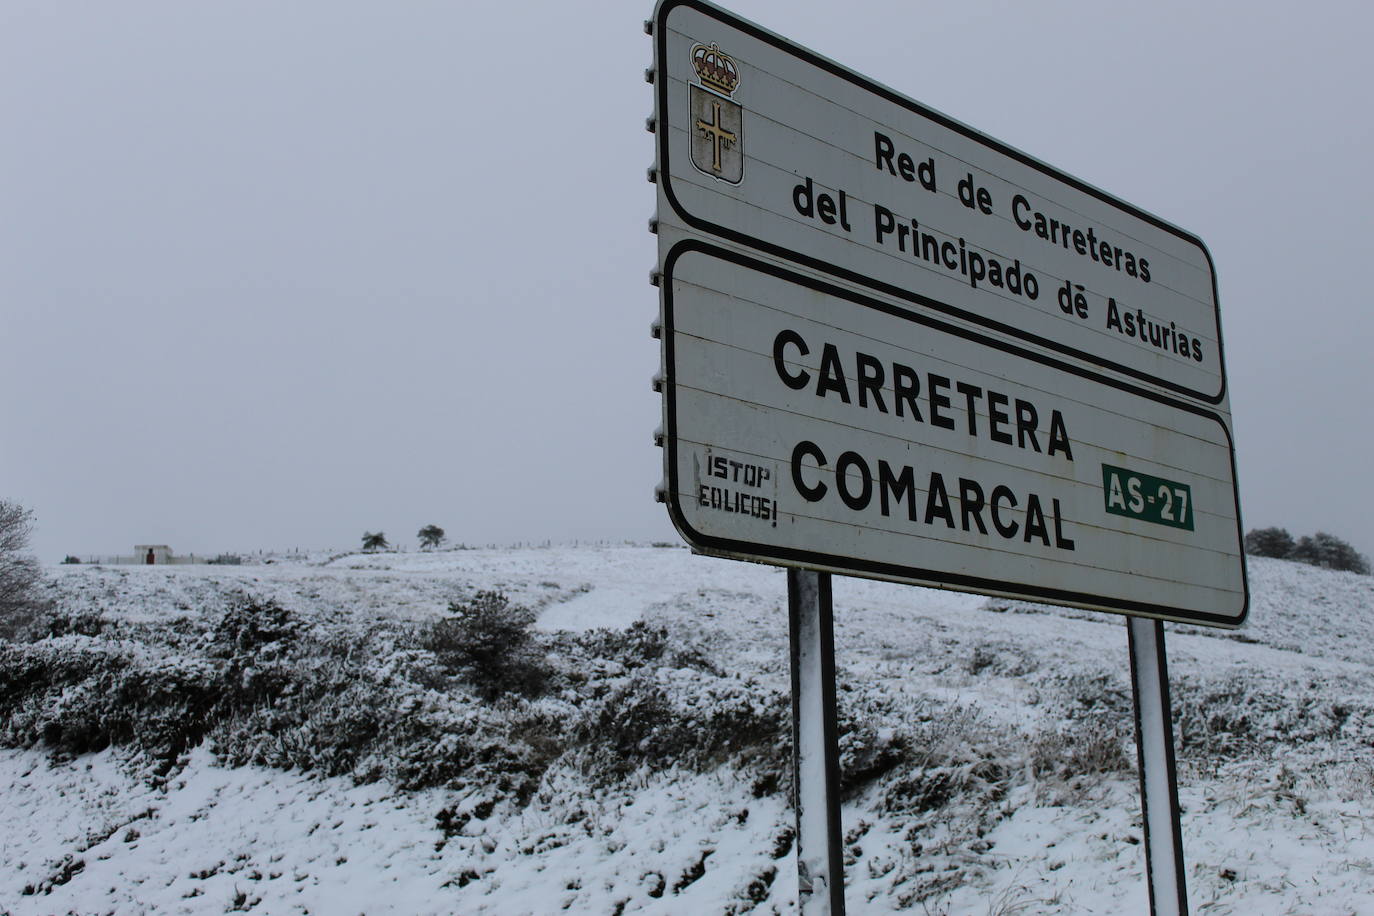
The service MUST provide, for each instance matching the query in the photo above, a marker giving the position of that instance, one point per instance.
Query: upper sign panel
(768, 145)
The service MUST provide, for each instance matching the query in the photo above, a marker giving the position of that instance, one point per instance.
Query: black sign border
(810, 57)
(912, 574)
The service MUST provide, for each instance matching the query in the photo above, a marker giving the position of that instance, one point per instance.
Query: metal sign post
(815, 744)
(1154, 739)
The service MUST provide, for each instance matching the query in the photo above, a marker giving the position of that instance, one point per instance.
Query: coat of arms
(717, 123)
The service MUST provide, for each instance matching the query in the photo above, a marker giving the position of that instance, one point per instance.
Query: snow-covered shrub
(1000, 659)
(57, 622)
(1089, 695)
(490, 643)
(867, 753)
(637, 645)
(169, 707)
(939, 755)
(323, 718)
(682, 717)
(635, 723)
(871, 743)
(362, 715)
(1235, 716)
(78, 688)
(76, 695)
(252, 627)
(439, 744)
(1094, 734)
(924, 790)
(1086, 748)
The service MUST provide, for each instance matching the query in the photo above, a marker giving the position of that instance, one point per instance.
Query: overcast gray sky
(273, 274)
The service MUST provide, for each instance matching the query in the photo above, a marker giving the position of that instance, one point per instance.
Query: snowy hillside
(320, 736)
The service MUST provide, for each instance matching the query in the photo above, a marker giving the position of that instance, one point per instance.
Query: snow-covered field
(988, 746)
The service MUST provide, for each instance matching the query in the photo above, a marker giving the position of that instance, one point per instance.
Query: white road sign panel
(771, 146)
(810, 424)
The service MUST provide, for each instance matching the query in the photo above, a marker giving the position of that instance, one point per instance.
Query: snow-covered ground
(1003, 791)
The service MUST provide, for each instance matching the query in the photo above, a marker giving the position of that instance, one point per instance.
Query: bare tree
(19, 572)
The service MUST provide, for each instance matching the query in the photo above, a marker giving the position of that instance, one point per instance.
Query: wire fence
(134, 560)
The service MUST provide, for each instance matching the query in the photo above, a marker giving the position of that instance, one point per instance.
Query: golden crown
(716, 69)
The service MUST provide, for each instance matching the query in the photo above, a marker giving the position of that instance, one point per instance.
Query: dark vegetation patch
(1227, 718)
(65, 870)
(1001, 660)
(693, 872)
(1083, 749)
(1322, 549)
(481, 702)
(489, 642)
(476, 698)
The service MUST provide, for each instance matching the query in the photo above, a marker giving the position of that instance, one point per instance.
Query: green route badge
(1150, 499)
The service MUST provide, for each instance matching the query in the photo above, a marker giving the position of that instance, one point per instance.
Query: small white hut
(153, 554)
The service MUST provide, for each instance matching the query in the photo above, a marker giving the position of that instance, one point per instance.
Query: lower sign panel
(816, 426)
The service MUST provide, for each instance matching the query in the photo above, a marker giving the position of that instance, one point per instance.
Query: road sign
(810, 424)
(896, 348)
(766, 144)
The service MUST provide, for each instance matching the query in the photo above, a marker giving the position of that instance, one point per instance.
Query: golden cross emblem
(718, 135)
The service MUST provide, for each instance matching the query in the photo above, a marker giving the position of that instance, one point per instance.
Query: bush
(62, 623)
(260, 692)
(1330, 552)
(78, 691)
(637, 645)
(1083, 748)
(1234, 716)
(490, 643)
(254, 629)
(78, 695)
(1269, 542)
(1322, 549)
(697, 720)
